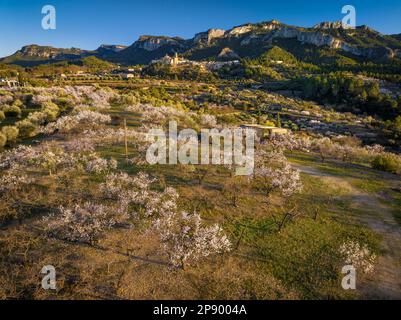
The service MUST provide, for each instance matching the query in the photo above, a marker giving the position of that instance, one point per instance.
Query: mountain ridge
(246, 40)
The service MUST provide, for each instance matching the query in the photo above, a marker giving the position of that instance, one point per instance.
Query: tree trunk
(235, 198)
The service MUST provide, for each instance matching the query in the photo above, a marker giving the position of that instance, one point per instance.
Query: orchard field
(77, 193)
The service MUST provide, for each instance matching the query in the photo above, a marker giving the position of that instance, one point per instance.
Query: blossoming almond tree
(13, 181)
(358, 255)
(20, 155)
(284, 180)
(187, 240)
(82, 222)
(134, 195)
(184, 237)
(274, 173)
(68, 123)
(100, 165)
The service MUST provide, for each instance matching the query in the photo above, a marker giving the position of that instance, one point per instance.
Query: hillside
(148, 48)
(251, 40)
(33, 55)
(248, 40)
(397, 36)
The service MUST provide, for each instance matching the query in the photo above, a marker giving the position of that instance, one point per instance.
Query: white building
(172, 61)
(129, 75)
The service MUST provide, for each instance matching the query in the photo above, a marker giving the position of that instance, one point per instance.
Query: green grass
(302, 254)
(361, 177)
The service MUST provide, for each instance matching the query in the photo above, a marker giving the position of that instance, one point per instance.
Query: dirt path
(387, 277)
(386, 280)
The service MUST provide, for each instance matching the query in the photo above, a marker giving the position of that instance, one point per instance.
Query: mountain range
(245, 41)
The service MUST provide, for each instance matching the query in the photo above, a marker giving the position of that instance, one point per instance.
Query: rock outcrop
(329, 25)
(151, 43)
(47, 52)
(208, 36)
(237, 31)
(227, 55)
(112, 48)
(247, 40)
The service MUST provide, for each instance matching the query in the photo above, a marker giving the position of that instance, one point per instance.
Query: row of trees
(350, 149)
(343, 88)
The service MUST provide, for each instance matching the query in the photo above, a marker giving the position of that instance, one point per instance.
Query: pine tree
(278, 120)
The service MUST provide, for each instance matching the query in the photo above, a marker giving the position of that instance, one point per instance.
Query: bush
(37, 118)
(2, 115)
(3, 140)
(51, 110)
(26, 129)
(11, 133)
(387, 162)
(12, 111)
(18, 103)
(64, 104)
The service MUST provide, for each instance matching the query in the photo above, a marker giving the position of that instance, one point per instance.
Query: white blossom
(13, 181)
(82, 223)
(357, 255)
(100, 165)
(208, 120)
(186, 239)
(274, 173)
(18, 156)
(80, 145)
(70, 122)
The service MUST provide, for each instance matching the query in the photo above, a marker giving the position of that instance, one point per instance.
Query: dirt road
(385, 283)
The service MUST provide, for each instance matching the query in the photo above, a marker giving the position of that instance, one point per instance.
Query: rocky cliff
(207, 37)
(152, 43)
(241, 41)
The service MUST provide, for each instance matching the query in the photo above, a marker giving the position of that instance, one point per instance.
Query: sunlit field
(200, 159)
(78, 194)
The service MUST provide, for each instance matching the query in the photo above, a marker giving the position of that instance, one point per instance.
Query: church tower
(175, 59)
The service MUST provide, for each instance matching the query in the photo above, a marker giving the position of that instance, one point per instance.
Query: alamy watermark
(231, 147)
(49, 280)
(49, 20)
(349, 20)
(349, 280)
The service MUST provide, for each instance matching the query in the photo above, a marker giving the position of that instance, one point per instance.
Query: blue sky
(88, 23)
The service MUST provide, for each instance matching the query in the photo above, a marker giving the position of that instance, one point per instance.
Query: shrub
(387, 162)
(11, 133)
(348, 141)
(3, 140)
(51, 110)
(64, 103)
(2, 115)
(38, 118)
(18, 103)
(12, 111)
(26, 129)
